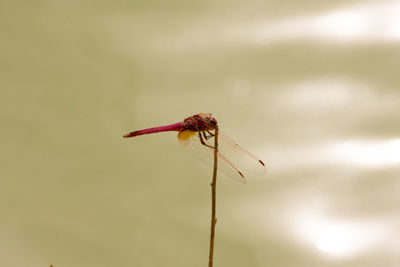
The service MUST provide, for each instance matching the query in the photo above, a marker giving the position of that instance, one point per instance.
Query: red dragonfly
(196, 134)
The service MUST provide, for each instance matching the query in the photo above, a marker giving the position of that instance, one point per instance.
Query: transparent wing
(239, 156)
(234, 161)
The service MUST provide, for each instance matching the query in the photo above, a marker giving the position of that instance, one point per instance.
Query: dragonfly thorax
(200, 122)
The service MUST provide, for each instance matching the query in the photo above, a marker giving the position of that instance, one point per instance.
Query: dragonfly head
(211, 121)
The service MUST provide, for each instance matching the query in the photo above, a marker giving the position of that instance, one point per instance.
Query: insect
(196, 134)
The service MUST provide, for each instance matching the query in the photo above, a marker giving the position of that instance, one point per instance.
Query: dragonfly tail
(172, 127)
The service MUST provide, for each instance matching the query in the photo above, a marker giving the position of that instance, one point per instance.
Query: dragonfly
(196, 134)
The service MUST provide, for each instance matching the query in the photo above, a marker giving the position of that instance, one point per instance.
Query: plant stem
(213, 196)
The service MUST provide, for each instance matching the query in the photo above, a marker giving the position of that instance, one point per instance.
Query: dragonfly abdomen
(179, 126)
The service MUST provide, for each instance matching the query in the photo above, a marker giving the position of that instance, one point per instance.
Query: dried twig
(213, 195)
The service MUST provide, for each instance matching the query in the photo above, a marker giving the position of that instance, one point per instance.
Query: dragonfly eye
(212, 121)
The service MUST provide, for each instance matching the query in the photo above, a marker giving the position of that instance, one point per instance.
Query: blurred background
(311, 87)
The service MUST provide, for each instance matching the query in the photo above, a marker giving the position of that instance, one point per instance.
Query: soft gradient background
(312, 87)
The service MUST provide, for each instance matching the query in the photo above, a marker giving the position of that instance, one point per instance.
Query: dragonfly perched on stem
(196, 134)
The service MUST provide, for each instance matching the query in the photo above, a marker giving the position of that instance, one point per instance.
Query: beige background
(312, 87)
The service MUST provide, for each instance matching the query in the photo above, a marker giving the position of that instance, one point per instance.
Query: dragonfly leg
(202, 140)
(210, 133)
(204, 135)
(208, 136)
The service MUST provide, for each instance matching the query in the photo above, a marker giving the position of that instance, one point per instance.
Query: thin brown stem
(213, 195)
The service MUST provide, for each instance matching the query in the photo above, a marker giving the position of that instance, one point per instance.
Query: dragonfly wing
(248, 163)
(192, 142)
